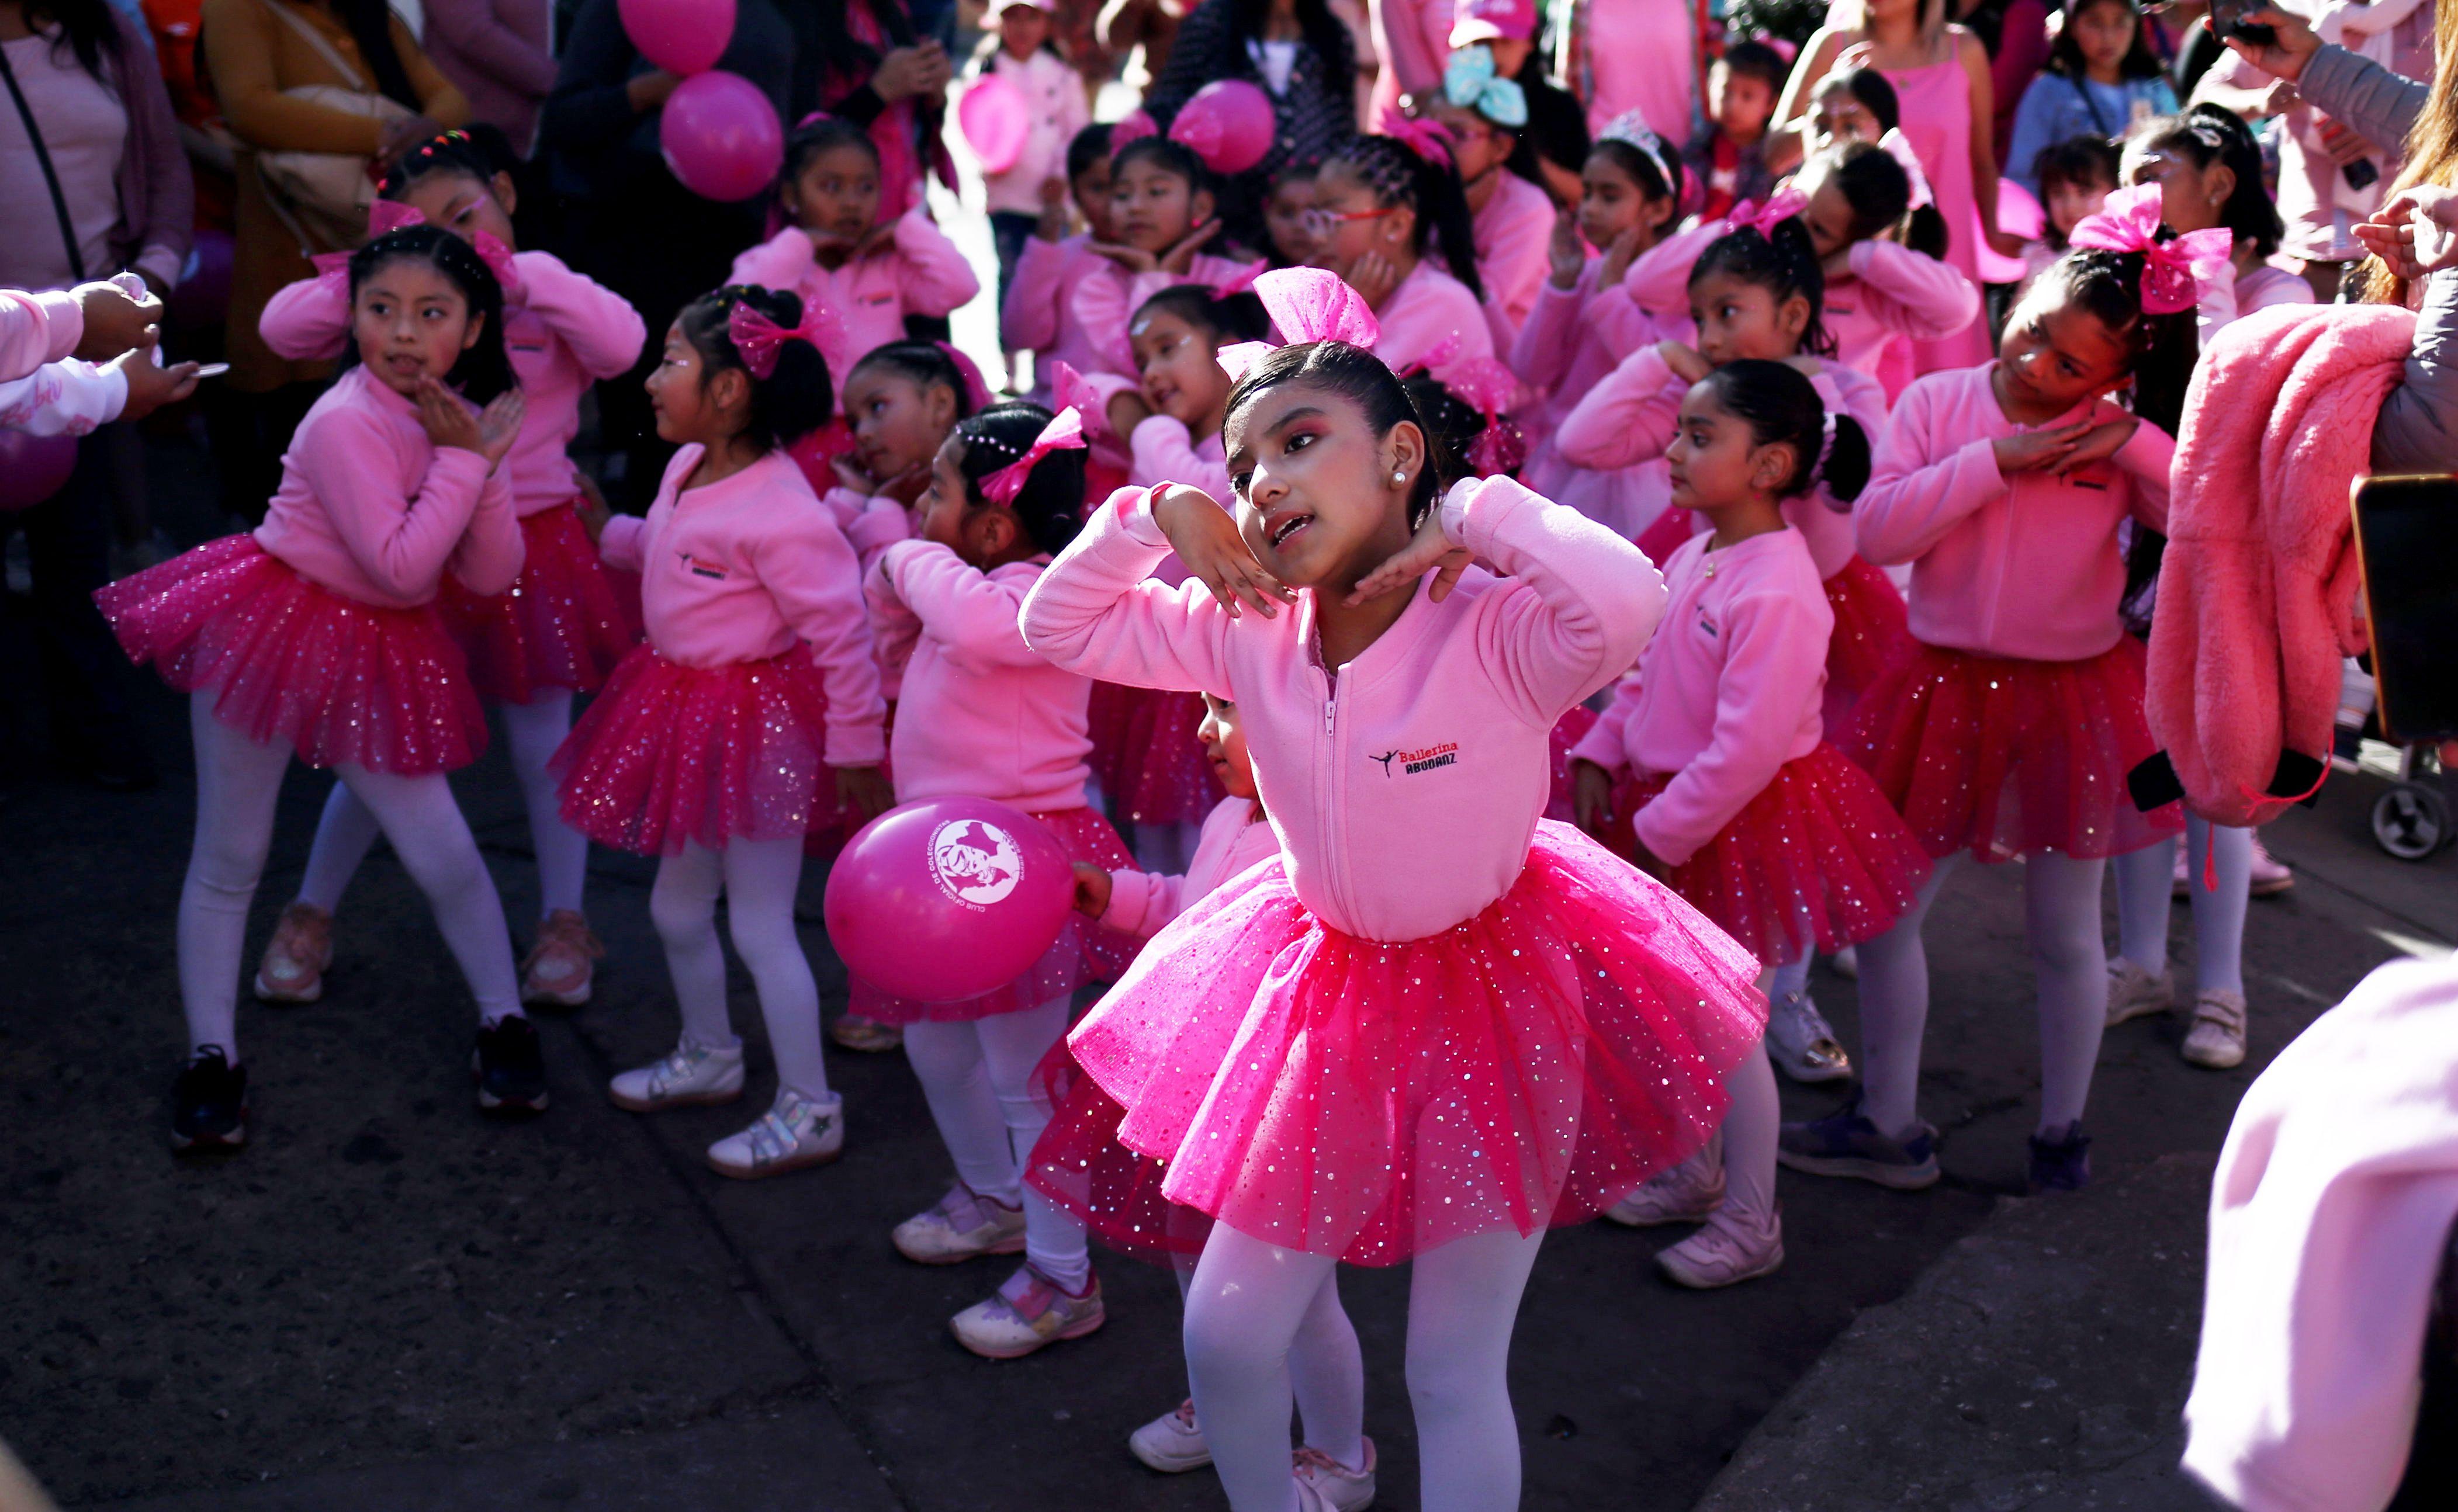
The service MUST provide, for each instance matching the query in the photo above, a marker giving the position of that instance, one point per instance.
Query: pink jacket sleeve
(894, 630)
(401, 545)
(600, 325)
(1164, 451)
(2147, 459)
(1774, 659)
(872, 525)
(1658, 280)
(1915, 293)
(308, 320)
(1029, 320)
(1541, 354)
(68, 397)
(971, 612)
(1607, 742)
(624, 543)
(812, 574)
(780, 263)
(490, 558)
(1579, 605)
(934, 277)
(1094, 611)
(1140, 902)
(1911, 502)
(36, 329)
(1628, 418)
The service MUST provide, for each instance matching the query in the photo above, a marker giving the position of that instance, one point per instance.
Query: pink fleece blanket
(2257, 593)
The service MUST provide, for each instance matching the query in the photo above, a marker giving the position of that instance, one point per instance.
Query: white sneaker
(1172, 1442)
(1028, 1312)
(963, 1226)
(688, 1074)
(1723, 1253)
(794, 1132)
(2271, 875)
(1685, 1193)
(1846, 963)
(1326, 1485)
(1800, 1042)
(2132, 992)
(2217, 1039)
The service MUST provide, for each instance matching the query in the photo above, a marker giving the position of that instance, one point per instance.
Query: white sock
(1243, 1310)
(1463, 1299)
(345, 833)
(1752, 1120)
(239, 784)
(760, 880)
(427, 833)
(1013, 1047)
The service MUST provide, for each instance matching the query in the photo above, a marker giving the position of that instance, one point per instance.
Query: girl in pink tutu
(1454, 1023)
(316, 636)
(559, 631)
(2010, 727)
(1161, 218)
(750, 717)
(982, 716)
(1879, 239)
(1384, 206)
(1727, 787)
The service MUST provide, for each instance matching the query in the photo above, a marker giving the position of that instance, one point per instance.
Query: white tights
(239, 784)
(2144, 887)
(759, 878)
(977, 1077)
(1326, 1370)
(1753, 1118)
(531, 731)
(1249, 1303)
(2069, 963)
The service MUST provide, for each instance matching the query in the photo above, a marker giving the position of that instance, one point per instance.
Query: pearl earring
(1399, 477)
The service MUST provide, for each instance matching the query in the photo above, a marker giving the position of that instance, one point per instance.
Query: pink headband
(1780, 206)
(1431, 140)
(977, 389)
(2173, 271)
(760, 339)
(392, 215)
(1486, 387)
(1065, 432)
(1305, 305)
(1898, 147)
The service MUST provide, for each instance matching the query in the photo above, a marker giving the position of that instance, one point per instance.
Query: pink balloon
(995, 119)
(947, 899)
(1228, 123)
(681, 36)
(34, 467)
(720, 136)
(2018, 214)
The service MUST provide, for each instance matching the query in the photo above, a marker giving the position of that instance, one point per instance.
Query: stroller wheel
(2411, 821)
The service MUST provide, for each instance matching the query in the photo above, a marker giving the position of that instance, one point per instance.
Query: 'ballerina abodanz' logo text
(1408, 762)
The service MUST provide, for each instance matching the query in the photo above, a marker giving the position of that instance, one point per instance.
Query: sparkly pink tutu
(1371, 1101)
(2002, 757)
(1113, 1192)
(1568, 731)
(1150, 765)
(669, 753)
(346, 683)
(1818, 857)
(1083, 951)
(1871, 635)
(561, 625)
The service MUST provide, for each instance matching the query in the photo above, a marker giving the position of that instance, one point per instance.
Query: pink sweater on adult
(373, 509)
(1728, 689)
(1413, 40)
(1513, 233)
(1895, 297)
(740, 569)
(1405, 786)
(919, 272)
(1428, 312)
(563, 331)
(2026, 565)
(1641, 55)
(981, 715)
(1235, 837)
(1035, 317)
(1105, 298)
(37, 328)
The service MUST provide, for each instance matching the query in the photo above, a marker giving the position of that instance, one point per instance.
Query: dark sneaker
(510, 1067)
(209, 1103)
(1846, 1144)
(2062, 1164)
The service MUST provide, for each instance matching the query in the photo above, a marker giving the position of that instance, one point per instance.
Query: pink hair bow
(760, 339)
(1898, 147)
(1131, 127)
(1486, 387)
(1241, 281)
(1780, 206)
(1438, 355)
(1065, 432)
(977, 388)
(1071, 390)
(2172, 272)
(392, 215)
(1431, 140)
(1305, 305)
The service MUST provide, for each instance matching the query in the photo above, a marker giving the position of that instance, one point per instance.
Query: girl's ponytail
(1781, 408)
(1403, 174)
(1844, 469)
(1880, 191)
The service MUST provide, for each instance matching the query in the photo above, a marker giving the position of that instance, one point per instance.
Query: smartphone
(213, 370)
(2362, 173)
(2227, 19)
(2406, 537)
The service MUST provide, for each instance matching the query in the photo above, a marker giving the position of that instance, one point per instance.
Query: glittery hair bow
(977, 389)
(1431, 140)
(392, 215)
(1486, 387)
(1131, 127)
(2172, 272)
(1439, 355)
(1470, 83)
(1065, 432)
(1898, 147)
(1305, 305)
(1240, 282)
(760, 339)
(1780, 206)
(1630, 129)
(1070, 389)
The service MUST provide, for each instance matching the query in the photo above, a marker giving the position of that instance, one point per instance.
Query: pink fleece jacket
(740, 569)
(1164, 451)
(37, 328)
(2025, 567)
(1432, 315)
(563, 331)
(919, 272)
(1235, 837)
(1107, 297)
(981, 715)
(67, 398)
(1895, 297)
(1728, 689)
(1513, 233)
(1035, 317)
(1405, 786)
(370, 508)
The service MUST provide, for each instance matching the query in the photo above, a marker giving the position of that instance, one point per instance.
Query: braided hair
(1783, 262)
(1400, 176)
(483, 371)
(1051, 505)
(796, 397)
(478, 151)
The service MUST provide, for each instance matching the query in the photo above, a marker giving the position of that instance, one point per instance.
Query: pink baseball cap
(1483, 20)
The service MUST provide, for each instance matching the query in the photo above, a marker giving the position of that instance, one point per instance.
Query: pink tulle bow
(1065, 432)
(760, 339)
(392, 215)
(1132, 126)
(1898, 147)
(1240, 282)
(1487, 385)
(1309, 304)
(1429, 139)
(977, 388)
(1070, 389)
(2172, 272)
(1438, 355)
(1238, 356)
(1780, 206)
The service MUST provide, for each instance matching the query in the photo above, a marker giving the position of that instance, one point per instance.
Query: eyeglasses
(1321, 223)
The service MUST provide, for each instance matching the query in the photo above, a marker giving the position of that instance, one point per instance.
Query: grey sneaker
(794, 1132)
(1172, 1442)
(2133, 992)
(2217, 1039)
(1026, 1314)
(1800, 1042)
(686, 1075)
(964, 1225)
(1846, 1144)
(1683, 1193)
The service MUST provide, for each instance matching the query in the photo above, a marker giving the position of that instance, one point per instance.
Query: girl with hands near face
(1160, 219)
(1382, 206)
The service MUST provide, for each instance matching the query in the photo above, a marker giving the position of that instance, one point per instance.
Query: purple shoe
(1846, 1144)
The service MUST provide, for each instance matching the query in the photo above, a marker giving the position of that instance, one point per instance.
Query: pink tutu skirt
(1083, 952)
(1371, 1101)
(669, 755)
(2002, 757)
(1818, 857)
(561, 625)
(1079, 1164)
(1144, 752)
(345, 683)
(1568, 731)
(1871, 636)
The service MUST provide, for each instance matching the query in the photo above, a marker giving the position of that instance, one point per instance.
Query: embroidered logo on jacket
(1410, 762)
(700, 569)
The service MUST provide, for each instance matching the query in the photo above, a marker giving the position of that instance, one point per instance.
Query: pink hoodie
(1895, 297)
(920, 272)
(1107, 297)
(2025, 567)
(373, 509)
(742, 569)
(1428, 310)
(563, 331)
(1403, 789)
(1727, 692)
(1235, 837)
(980, 715)
(1035, 319)
(1514, 233)
(36, 329)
